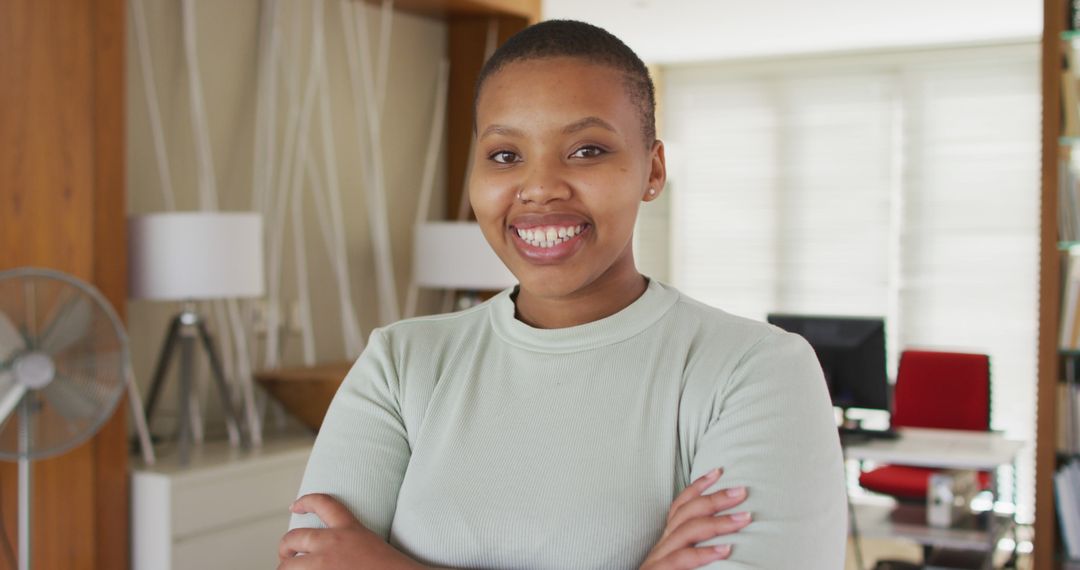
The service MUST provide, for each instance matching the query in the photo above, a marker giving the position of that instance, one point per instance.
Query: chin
(547, 284)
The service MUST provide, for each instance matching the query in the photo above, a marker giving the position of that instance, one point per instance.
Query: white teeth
(549, 236)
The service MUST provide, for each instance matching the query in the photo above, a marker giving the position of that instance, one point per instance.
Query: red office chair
(942, 390)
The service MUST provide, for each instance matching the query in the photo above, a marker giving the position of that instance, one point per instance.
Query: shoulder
(727, 354)
(435, 333)
(722, 335)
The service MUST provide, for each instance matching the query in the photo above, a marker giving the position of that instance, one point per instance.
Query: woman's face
(559, 169)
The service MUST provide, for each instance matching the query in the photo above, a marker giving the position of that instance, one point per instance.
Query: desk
(942, 449)
(939, 448)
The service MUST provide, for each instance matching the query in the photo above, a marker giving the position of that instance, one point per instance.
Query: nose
(544, 183)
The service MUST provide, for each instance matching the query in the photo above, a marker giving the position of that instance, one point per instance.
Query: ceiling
(675, 31)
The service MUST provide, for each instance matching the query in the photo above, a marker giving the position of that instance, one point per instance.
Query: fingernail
(723, 549)
(712, 474)
(741, 517)
(736, 491)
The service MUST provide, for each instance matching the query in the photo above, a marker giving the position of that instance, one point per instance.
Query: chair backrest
(944, 390)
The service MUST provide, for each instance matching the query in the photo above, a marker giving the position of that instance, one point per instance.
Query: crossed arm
(347, 544)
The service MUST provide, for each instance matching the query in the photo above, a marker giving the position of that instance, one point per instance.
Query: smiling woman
(583, 418)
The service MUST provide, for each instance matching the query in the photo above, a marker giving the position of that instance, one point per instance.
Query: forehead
(554, 92)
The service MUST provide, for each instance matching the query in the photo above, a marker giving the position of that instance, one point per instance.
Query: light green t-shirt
(472, 440)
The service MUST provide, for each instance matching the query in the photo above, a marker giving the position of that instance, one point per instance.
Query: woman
(580, 419)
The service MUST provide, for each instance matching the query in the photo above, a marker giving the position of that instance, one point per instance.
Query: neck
(600, 299)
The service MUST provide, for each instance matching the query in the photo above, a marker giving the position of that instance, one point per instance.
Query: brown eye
(588, 152)
(504, 157)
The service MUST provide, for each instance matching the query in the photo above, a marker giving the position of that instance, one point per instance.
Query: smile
(545, 245)
(549, 236)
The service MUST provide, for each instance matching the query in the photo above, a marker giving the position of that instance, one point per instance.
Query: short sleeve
(772, 429)
(362, 449)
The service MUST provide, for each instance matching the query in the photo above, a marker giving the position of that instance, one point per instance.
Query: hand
(692, 519)
(345, 543)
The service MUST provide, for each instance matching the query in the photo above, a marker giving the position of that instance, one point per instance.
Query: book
(1066, 231)
(1067, 493)
(1069, 336)
(1070, 94)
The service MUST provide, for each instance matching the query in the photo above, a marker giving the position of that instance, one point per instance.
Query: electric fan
(63, 364)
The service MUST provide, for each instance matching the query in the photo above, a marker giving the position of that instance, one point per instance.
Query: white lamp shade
(455, 255)
(195, 255)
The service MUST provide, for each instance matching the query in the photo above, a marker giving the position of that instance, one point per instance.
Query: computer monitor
(852, 355)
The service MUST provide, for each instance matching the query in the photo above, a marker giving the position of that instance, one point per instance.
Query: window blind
(901, 184)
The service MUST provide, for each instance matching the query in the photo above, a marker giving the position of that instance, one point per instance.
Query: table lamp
(188, 257)
(455, 255)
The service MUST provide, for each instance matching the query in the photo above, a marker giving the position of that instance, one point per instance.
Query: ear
(657, 172)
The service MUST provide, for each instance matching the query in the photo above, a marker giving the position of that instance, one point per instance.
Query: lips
(546, 239)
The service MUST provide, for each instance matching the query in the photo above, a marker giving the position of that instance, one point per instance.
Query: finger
(701, 529)
(706, 505)
(297, 540)
(694, 489)
(332, 513)
(695, 557)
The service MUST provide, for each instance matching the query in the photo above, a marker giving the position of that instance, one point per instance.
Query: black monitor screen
(852, 355)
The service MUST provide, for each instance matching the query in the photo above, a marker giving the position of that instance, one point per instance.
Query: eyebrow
(574, 127)
(588, 122)
(501, 130)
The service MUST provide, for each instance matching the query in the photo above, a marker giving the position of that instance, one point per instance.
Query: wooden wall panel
(467, 37)
(529, 9)
(62, 207)
(110, 447)
(1046, 425)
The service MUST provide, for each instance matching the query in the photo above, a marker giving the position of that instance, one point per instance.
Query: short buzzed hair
(570, 38)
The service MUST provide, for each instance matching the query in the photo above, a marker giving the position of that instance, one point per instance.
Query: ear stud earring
(652, 191)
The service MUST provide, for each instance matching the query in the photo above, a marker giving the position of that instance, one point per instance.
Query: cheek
(485, 194)
(612, 201)
(491, 202)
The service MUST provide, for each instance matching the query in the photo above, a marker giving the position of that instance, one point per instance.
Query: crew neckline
(629, 321)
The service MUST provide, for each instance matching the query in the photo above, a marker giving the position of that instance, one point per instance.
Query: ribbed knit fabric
(473, 440)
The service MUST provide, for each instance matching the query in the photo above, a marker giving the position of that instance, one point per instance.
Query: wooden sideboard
(226, 509)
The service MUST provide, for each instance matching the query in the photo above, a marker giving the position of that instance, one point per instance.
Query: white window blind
(902, 185)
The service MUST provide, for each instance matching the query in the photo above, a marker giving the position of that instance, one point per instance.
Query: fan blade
(11, 341)
(72, 400)
(69, 325)
(11, 393)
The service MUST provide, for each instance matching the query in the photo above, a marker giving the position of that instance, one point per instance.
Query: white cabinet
(226, 509)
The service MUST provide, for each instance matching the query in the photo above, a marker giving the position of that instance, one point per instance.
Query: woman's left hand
(345, 543)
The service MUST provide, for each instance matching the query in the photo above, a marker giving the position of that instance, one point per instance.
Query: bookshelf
(1057, 145)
